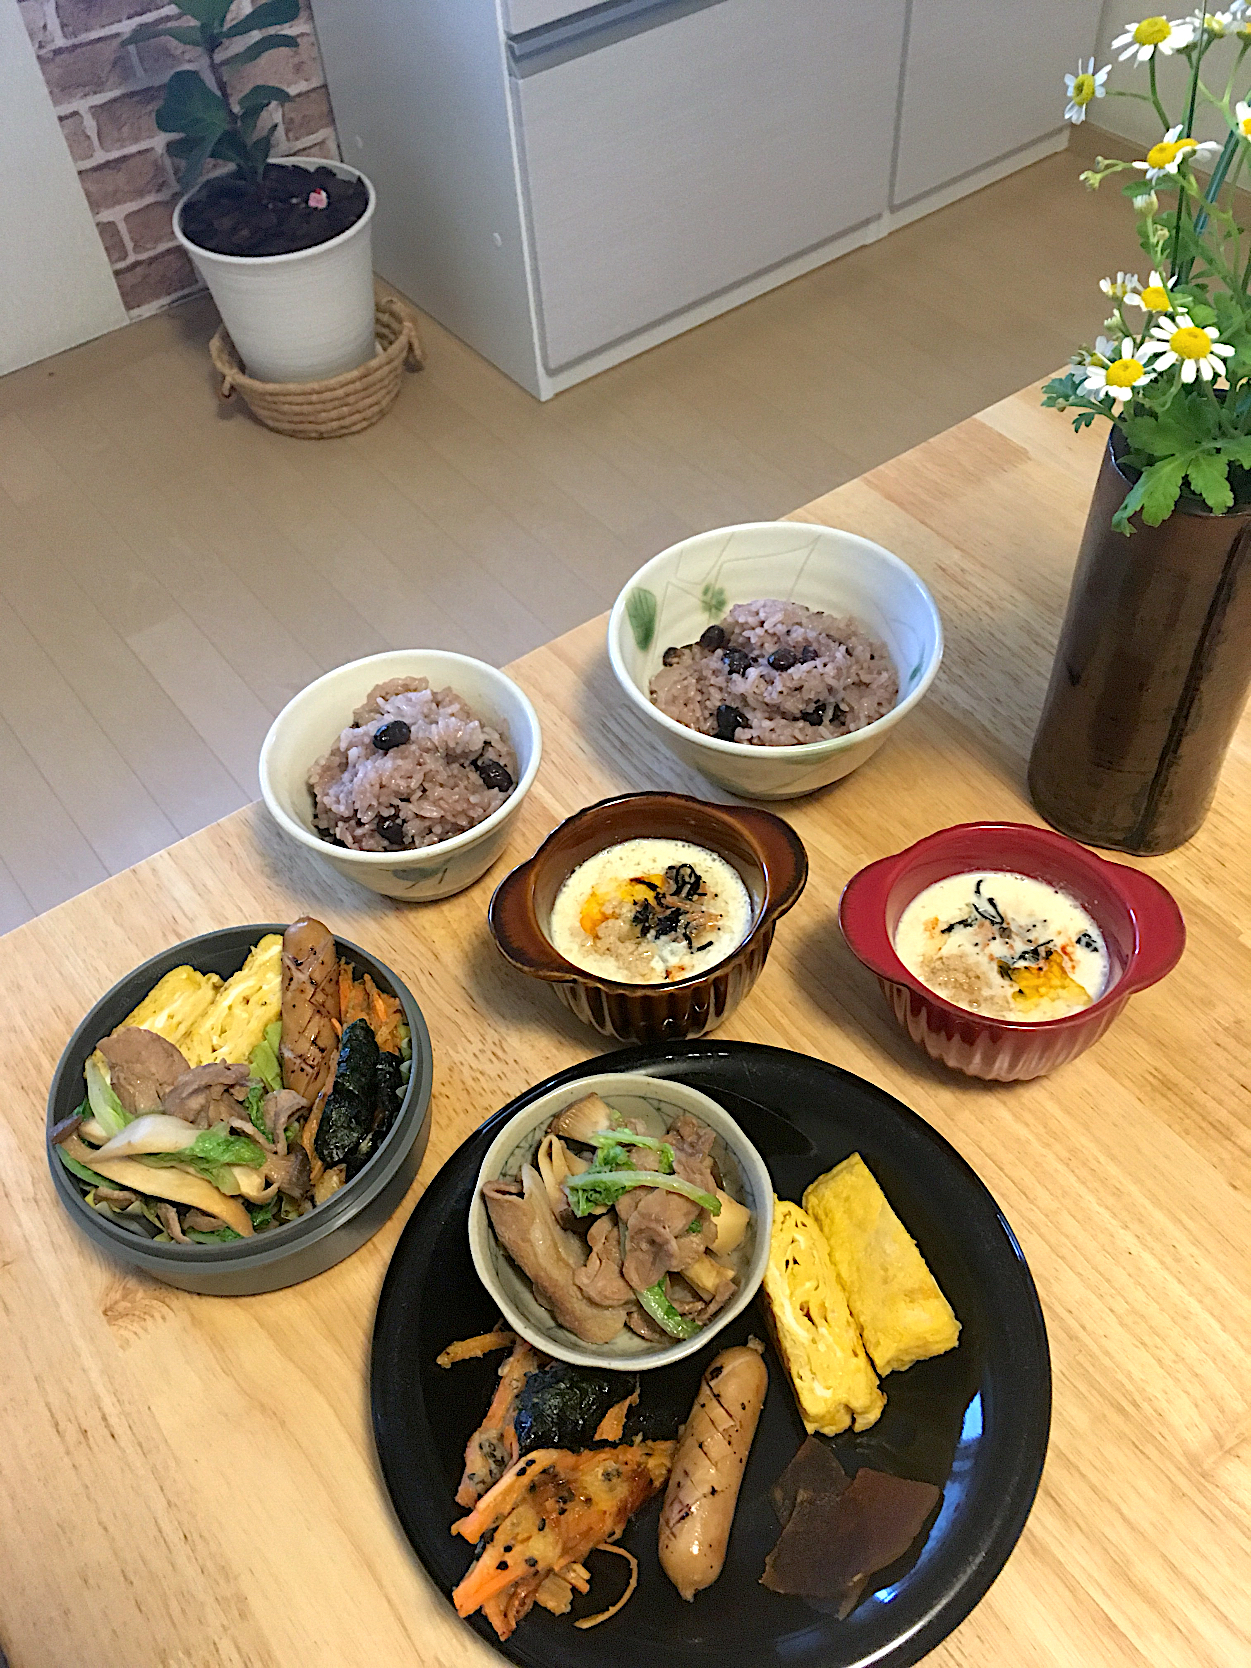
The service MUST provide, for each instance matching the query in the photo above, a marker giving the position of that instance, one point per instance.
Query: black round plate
(974, 1421)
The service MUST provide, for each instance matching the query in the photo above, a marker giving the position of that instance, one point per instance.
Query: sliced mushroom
(278, 1110)
(67, 1127)
(555, 1162)
(330, 1182)
(586, 1117)
(171, 1224)
(291, 1172)
(245, 1126)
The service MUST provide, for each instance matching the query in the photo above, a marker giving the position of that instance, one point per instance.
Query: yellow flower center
(1190, 342)
(1123, 373)
(1083, 89)
(1156, 298)
(1168, 150)
(1244, 127)
(1152, 30)
(1213, 24)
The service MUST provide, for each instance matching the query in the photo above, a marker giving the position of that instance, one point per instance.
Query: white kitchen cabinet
(673, 164)
(564, 185)
(982, 81)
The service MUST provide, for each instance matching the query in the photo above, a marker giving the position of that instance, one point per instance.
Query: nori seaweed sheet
(389, 1094)
(348, 1114)
(561, 1406)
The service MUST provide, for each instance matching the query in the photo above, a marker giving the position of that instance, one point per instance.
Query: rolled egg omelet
(902, 1315)
(813, 1330)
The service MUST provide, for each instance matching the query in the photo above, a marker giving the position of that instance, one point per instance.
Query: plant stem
(1186, 134)
(1155, 96)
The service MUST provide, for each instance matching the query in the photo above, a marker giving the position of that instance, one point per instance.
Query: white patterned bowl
(309, 724)
(672, 598)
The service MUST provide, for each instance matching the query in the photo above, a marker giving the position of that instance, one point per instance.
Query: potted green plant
(1154, 661)
(283, 244)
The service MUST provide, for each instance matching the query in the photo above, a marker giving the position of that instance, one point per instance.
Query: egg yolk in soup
(1004, 945)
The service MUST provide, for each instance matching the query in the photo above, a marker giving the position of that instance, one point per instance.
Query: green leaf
(258, 153)
(641, 613)
(107, 1110)
(219, 1146)
(256, 98)
(195, 154)
(187, 34)
(191, 106)
(1202, 315)
(229, 147)
(212, 13)
(1209, 476)
(264, 1063)
(270, 14)
(219, 1235)
(267, 43)
(1161, 485)
(1238, 451)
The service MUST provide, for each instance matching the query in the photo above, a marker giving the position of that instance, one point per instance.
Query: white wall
(1133, 119)
(56, 288)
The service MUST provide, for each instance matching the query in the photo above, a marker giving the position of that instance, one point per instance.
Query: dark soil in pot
(231, 215)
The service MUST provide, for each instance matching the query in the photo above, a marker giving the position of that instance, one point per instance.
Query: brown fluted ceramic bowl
(765, 851)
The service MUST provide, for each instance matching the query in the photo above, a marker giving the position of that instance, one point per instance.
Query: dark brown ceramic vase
(1150, 676)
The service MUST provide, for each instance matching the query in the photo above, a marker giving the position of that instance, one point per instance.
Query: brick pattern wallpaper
(105, 95)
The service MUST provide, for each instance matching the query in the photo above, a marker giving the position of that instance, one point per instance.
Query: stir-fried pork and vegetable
(617, 1225)
(221, 1108)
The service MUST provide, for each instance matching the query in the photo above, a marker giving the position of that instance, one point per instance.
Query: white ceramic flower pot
(298, 317)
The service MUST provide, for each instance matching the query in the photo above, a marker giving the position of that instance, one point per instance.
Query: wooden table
(189, 1482)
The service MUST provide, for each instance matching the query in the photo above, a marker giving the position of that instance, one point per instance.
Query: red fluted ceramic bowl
(1140, 922)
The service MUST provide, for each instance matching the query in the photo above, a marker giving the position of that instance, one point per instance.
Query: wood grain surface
(189, 1482)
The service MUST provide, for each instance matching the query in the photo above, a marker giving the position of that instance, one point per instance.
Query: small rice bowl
(451, 773)
(777, 674)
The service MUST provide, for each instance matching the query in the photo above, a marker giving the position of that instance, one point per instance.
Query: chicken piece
(143, 1067)
(545, 1515)
(310, 1007)
(602, 1280)
(208, 1094)
(493, 1446)
(549, 1257)
(659, 1238)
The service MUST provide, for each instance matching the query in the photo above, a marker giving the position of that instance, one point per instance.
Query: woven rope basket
(339, 405)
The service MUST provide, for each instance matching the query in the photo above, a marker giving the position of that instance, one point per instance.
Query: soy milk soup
(650, 911)
(1004, 945)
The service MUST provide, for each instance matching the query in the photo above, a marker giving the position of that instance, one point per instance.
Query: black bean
(783, 659)
(392, 830)
(394, 734)
(838, 715)
(729, 719)
(670, 657)
(814, 715)
(493, 774)
(713, 638)
(808, 655)
(737, 661)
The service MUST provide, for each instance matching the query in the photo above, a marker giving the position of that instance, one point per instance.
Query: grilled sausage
(708, 1469)
(310, 1007)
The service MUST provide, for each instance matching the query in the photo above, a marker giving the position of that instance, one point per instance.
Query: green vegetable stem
(598, 1189)
(665, 1315)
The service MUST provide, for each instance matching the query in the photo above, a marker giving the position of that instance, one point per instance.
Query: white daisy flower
(1215, 25)
(1083, 87)
(1117, 379)
(1154, 34)
(1152, 297)
(1166, 157)
(1122, 287)
(1195, 347)
(1242, 118)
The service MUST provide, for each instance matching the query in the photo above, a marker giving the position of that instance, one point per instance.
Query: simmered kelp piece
(349, 1112)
